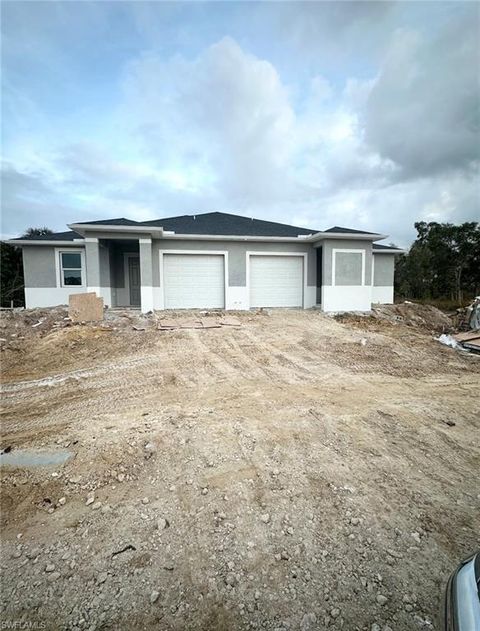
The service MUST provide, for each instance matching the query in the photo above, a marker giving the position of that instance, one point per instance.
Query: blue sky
(317, 114)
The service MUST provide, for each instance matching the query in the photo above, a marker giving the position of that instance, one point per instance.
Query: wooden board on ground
(467, 335)
(86, 307)
(203, 323)
(210, 323)
(190, 324)
(230, 321)
(167, 325)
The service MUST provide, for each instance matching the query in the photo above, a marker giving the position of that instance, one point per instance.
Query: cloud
(223, 117)
(423, 111)
(28, 201)
(306, 125)
(326, 34)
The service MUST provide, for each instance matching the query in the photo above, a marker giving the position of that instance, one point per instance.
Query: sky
(356, 114)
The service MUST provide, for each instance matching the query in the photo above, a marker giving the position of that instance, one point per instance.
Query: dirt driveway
(291, 473)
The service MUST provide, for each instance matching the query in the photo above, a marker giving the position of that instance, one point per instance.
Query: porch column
(96, 256)
(146, 275)
(92, 264)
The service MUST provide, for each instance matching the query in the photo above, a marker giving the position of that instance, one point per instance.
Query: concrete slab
(34, 458)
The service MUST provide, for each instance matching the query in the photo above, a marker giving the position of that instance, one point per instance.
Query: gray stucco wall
(330, 244)
(348, 268)
(146, 264)
(39, 266)
(92, 263)
(383, 270)
(104, 266)
(39, 261)
(237, 257)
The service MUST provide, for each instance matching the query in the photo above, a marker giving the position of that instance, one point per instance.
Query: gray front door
(134, 280)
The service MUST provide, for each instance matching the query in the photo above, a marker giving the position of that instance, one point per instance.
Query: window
(71, 268)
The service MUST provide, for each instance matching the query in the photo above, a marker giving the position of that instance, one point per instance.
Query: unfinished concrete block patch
(86, 307)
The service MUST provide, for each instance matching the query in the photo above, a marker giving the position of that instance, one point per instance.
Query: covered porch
(120, 271)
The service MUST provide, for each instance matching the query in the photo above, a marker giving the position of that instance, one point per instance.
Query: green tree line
(443, 263)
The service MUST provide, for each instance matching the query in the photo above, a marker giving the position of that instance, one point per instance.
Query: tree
(11, 269)
(11, 276)
(36, 232)
(443, 262)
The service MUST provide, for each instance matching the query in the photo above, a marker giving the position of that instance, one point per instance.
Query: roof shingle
(69, 235)
(219, 224)
(341, 230)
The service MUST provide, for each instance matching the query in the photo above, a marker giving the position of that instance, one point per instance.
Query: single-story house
(209, 261)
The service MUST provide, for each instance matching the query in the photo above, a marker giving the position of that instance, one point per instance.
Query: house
(212, 260)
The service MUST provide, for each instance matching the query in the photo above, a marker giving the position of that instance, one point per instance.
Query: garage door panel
(276, 281)
(194, 281)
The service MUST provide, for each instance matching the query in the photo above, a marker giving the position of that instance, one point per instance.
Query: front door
(134, 280)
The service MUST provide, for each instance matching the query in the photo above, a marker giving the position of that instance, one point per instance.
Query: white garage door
(276, 281)
(194, 281)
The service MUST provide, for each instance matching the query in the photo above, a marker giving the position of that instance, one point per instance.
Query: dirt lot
(296, 472)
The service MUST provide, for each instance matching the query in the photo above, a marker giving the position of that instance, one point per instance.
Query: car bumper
(462, 602)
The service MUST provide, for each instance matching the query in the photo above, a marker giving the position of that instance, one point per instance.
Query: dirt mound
(415, 314)
(21, 324)
(423, 317)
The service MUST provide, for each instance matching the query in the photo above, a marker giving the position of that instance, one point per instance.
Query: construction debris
(469, 340)
(448, 340)
(474, 308)
(86, 307)
(202, 323)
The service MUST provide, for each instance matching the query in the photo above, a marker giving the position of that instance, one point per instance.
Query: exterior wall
(383, 270)
(42, 279)
(39, 266)
(383, 266)
(342, 288)
(334, 244)
(382, 295)
(236, 290)
(146, 275)
(106, 271)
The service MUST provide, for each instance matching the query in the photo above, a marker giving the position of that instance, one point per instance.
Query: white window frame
(347, 251)
(223, 253)
(59, 267)
(304, 255)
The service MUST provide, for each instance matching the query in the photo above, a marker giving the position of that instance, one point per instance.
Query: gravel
(320, 511)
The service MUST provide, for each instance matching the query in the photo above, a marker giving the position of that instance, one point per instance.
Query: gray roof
(379, 246)
(341, 230)
(120, 221)
(214, 223)
(217, 223)
(69, 235)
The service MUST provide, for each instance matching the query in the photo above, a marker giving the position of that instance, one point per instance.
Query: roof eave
(389, 251)
(159, 232)
(233, 237)
(363, 236)
(155, 231)
(74, 242)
